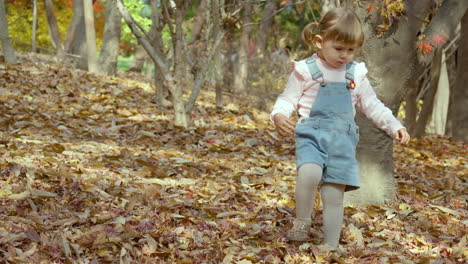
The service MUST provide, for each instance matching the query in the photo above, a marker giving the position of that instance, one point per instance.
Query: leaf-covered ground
(92, 172)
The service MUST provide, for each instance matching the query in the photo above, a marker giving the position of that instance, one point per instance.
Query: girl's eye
(339, 49)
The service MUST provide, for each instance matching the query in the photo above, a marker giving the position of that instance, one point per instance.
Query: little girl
(324, 90)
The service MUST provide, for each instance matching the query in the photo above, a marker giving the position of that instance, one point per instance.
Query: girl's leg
(332, 198)
(308, 179)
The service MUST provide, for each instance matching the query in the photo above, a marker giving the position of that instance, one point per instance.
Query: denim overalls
(328, 137)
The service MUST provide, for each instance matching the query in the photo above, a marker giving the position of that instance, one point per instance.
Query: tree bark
(53, 27)
(411, 107)
(241, 73)
(388, 73)
(139, 59)
(457, 113)
(176, 90)
(34, 26)
(161, 89)
(110, 46)
(8, 50)
(429, 97)
(218, 63)
(265, 26)
(75, 42)
(90, 35)
(199, 20)
(445, 21)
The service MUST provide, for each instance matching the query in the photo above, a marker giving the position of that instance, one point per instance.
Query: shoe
(327, 248)
(300, 231)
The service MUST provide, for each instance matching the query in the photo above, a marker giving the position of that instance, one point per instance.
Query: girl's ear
(318, 41)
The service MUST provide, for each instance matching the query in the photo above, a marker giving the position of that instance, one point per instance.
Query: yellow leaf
(5, 192)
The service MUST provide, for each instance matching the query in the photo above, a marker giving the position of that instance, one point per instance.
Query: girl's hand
(402, 136)
(284, 126)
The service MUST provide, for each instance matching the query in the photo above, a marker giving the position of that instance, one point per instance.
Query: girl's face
(335, 53)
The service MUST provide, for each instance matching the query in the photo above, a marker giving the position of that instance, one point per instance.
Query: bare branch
(142, 38)
(201, 76)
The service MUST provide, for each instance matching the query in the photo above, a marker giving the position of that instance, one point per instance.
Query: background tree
(390, 72)
(458, 116)
(53, 27)
(265, 26)
(174, 68)
(242, 69)
(90, 35)
(8, 51)
(75, 42)
(107, 62)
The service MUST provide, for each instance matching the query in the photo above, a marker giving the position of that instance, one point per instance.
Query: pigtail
(309, 32)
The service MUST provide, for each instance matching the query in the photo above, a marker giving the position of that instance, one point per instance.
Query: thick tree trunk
(388, 73)
(457, 113)
(8, 50)
(265, 27)
(75, 42)
(53, 27)
(241, 73)
(110, 46)
(90, 35)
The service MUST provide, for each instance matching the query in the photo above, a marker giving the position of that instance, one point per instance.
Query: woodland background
(138, 132)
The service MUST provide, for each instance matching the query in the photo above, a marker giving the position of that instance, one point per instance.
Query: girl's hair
(338, 24)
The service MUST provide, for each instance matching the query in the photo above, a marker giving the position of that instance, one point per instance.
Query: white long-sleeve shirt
(301, 91)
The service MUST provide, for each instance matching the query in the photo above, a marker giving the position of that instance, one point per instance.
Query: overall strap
(313, 68)
(350, 69)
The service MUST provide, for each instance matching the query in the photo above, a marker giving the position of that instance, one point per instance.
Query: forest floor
(92, 172)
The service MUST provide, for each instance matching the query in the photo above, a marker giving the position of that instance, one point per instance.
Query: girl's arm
(375, 110)
(287, 101)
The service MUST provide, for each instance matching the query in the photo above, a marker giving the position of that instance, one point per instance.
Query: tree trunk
(181, 67)
(241, 73)
(160, 61)
(199, 20)
(457, 113)
(8, 50)
(110, 45)
(228, 62)
(429, 97)
(34, 26)
(411, 107)
(160, 86)
(265, 26)
(75, 42)
(218, 62)
(90, 35)
(388, 73)
(438, 121)
(53, 27)
(139, 59)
